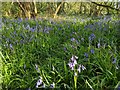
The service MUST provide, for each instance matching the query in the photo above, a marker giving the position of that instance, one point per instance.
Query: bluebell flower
(71, 65)
(28, 27)
(46, 30)
(65, 49)
(98, 45)
(118, 87)
(39, 82)
(81, 67)
(92, 51)
(114, 61)
(52, 85)
(72, 39)
(14, 32)
(43, 86)
(91, 26)
(60, 28)
(20, 19)
(74, 58)
(32, 29)
(11, 47)
(92, 37)
(86, 55)
(73, 62)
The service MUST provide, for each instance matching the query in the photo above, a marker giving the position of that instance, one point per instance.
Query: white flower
(72, 59)
(75, 62)
(43, 86)
(75, 74)
(83, 68)
(39, 82)
(98, 45)
(79, 68)
(52, 85)
(71, 65)
(76, 57)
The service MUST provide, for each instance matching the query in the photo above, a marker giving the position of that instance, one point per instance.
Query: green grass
(42, 48)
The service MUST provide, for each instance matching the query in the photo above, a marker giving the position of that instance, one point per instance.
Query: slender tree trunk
(81, 8)
(35, 8)
(58, 8)
(91, 9)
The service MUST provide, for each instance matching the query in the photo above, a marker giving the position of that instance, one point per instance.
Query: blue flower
(72, 39)
(14, 33)
(119, 87)
(79, 68)
(65, 49)
(92, 51)
(91, 37)
(86, 55)
(114, 61)
(32, 29)
(28, 27)
(19, 19)
(11, 47)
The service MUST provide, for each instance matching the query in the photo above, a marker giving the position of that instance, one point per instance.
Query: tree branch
(105, 6)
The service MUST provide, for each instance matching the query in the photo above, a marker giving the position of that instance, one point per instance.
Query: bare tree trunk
(58, 8)
(35, 8)
(91, 9)
(80, 7)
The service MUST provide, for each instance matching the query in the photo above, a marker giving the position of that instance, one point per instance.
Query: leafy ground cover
(72, 54)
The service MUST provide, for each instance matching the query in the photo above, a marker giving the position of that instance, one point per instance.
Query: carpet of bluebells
(72, 54)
